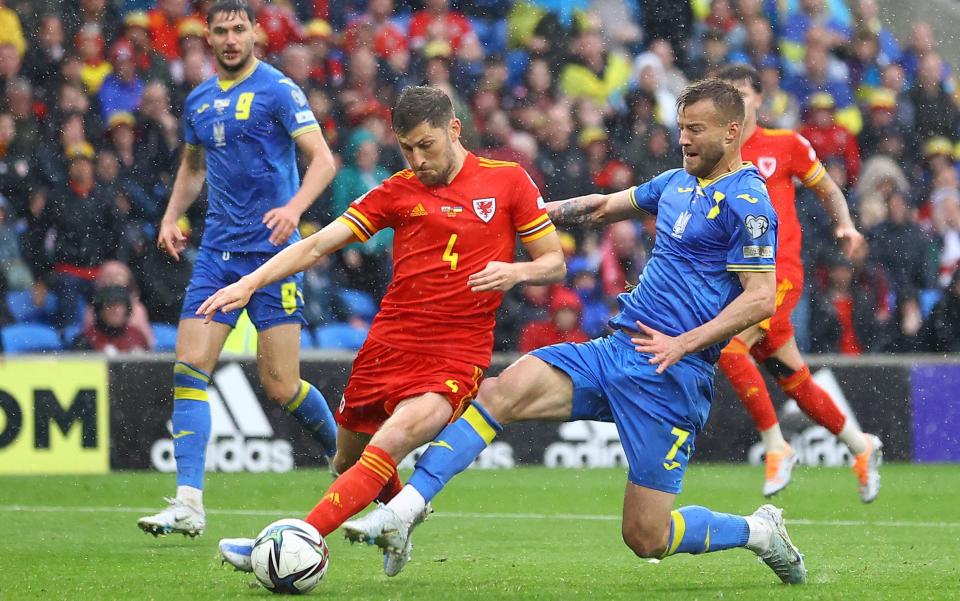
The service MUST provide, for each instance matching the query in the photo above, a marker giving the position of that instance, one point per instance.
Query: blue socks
(311, 410)
(453, 450)
(191, 423)
(695, 529)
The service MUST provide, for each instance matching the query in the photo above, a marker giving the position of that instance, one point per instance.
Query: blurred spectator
(96, 68)
(815, 78)
(615, 21)
(778, 109)
(114, 274)
(437, 23)
(10, 30)
(760, 47)
(584, 281)
(622, 259)
(829, 139)
(361, 97)
(563, 325)
(150, 64)
(714, 56)
(295, 64)
(165, 19)
(850, 310)
(865, 63)
(17, 168)
(922, 42)
(607, 174)
(652, 153)
(360, 173)
(42, 62)
(941, 330)
(867, 15)
(326, 67)
(122, 89)
(900, 246)
(562, 164)
(375, 29)
(936, 112)
(810, 14)
(669, 20)
(279, 22)
(19, 96)
(947, 221)
(879, 178)
(880, 122)
(593, 72)
(190, 71)
(84, 228)
(14, 273)
(111, 331)
(99, 15)
(10, 62)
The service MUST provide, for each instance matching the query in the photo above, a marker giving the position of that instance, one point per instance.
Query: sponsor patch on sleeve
(305, 117)
(757, 252)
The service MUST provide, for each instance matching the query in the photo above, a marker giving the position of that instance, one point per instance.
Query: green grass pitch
(528, 533)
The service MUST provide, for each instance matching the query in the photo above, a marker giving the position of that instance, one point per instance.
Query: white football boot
(866, 466)
(178, 518)
(236, 552)
(781, 556)
(384, 528)
(779, 470)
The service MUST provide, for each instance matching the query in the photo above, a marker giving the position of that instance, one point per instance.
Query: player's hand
(850, 239)
(171, 240)
(666, 349)
(496, 276)
(233, 297)
(281, 222)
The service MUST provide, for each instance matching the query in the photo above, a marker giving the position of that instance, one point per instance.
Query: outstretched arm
(593, 209)
(293, 259)
(756, 303)
(832, 199)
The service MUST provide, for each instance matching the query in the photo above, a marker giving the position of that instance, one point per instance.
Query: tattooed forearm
(582, 210)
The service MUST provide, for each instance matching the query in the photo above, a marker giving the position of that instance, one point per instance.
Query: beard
(440, 173)
(241, 65)
(708, 158)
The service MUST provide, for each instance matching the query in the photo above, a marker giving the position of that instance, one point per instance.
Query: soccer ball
(290, 556)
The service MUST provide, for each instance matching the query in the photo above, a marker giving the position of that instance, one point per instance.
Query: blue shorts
(280, 302)
(657, 415)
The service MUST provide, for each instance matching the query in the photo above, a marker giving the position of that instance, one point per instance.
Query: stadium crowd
(580, 92)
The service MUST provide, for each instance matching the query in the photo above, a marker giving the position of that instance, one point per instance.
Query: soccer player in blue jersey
(711, 275)
(242, 129)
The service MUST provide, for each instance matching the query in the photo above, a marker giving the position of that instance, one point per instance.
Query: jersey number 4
(448, 255)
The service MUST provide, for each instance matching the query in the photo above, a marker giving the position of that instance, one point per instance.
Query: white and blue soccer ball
(290, 557)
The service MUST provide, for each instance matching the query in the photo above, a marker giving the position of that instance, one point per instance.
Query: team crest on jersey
(220, 104)
(681, 224)
(219, 135)
(766, 166)
(485, 208)
(756, 225)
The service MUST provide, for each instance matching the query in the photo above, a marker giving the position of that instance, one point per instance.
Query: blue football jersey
(247, 128)
(707, 230)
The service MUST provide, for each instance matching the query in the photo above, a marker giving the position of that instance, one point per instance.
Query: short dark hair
(417, 104)
(230, 6)
(741, 72)
(726, 98)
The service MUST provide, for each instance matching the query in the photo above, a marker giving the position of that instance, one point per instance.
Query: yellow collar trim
(706, 182)
(226, 84)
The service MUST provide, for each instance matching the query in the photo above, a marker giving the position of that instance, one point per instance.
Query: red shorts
(383, 376)
(778, 328)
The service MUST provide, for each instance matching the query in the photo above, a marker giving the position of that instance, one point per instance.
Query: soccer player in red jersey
(782, 156)
(456, 218)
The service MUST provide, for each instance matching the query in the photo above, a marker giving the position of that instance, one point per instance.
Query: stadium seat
(359, 303)
(29, 338)
(340, 336)
(69, 333)
(20, 303)
(306, 339)
(929, 297)
(166, 336)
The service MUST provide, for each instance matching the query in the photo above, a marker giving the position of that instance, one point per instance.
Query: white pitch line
(461, 515)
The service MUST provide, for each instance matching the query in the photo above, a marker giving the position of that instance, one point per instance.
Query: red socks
(747, 382)
(813, 400)
(354, 489)
(391, 489)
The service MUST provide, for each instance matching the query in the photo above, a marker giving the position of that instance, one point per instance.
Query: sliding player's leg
(786, 364)
(198, 347)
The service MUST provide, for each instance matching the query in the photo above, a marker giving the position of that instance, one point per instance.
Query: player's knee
(496, 399)
(279, 388)
(644, 542)
(777, 368)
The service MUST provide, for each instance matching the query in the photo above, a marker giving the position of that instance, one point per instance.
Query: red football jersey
(442, 235)
(781, 155)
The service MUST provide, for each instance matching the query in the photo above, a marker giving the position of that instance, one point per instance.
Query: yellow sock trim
(294, 404)
(183, 368)
(192, 394)
(476, 421)
(679, 529)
